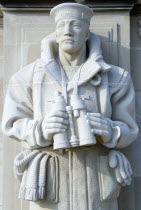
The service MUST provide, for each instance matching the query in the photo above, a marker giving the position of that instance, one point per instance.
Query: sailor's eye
(76, 25)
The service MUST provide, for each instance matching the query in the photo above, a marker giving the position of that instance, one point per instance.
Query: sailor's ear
(87, 35)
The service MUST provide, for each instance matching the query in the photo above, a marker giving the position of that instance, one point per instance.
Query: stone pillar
(24, 28)
(23, 32)
(1, 108)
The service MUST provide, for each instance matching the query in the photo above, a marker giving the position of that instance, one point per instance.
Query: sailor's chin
(69, 48)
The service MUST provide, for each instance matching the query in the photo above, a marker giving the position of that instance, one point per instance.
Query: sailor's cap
(71, 10)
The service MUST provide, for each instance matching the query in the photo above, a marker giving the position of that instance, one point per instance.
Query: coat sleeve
(18, 122)
(123, 122)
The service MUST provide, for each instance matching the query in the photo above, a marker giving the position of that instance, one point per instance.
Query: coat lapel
(52, 70)
(104, 96)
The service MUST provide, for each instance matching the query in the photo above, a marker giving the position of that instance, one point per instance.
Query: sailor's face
(71, 35)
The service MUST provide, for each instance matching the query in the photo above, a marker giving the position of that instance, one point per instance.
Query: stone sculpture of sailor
(70, 100)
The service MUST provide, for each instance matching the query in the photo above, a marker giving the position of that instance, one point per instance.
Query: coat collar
(90, 68)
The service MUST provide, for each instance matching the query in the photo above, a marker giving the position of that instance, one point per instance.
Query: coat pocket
(91, 103)
(52, 182)
(109, 187)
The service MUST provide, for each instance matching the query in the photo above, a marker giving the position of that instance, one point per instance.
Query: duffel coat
(85, 179)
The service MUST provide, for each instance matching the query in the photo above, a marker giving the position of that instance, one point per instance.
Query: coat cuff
(34, 135)
(115, 136)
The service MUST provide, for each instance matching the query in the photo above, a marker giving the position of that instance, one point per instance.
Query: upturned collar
(93, 65)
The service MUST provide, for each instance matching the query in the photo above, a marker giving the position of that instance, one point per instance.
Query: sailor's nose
(67, 30)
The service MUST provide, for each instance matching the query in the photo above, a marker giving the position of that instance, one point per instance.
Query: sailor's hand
(121, 167)
(56, 122)
(100, 126)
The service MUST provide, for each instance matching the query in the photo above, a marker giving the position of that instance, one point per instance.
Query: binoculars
(80, 133)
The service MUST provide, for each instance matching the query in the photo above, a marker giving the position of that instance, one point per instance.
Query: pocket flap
(109, 187)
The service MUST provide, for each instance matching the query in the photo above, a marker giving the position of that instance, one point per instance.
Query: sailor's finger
(100, 132)
(112, 159)
(55, 130)
(57, 120)
(58, 114)
(97, 115)
(130, 169)
(121, 166)
(97, 125)
(118, 176)
(127, 181)
(96, 119)
(55, 125)
(125, 163)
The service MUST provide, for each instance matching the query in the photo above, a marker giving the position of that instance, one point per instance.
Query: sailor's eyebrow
(76, 22)
(68, 21)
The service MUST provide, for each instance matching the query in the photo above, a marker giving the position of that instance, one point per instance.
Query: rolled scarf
(33, 169)
(22, 160)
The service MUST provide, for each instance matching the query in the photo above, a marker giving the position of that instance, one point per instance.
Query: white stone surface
(36, 51)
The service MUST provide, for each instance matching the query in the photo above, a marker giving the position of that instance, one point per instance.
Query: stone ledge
(49, 4)
(136, 10)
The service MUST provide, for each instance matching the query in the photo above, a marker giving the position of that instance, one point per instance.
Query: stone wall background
(136, 76)
(121, 42)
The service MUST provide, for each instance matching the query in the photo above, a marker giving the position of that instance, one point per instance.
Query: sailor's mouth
(69, 40)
